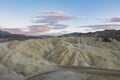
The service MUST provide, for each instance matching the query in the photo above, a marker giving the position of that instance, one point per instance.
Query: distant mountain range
(115, 34)
(4, 32)
(7, 36)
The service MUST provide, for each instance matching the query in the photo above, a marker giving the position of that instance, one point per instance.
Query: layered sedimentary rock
(24, 58)
(6, 74)
(35, 55)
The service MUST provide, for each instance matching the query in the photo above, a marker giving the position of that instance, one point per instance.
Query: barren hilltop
(70, 57)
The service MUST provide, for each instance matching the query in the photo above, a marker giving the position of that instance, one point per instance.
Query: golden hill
(26, 57)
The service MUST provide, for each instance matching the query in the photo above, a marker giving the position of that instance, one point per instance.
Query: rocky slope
(40, 55)
(6, 74)
(27, 57)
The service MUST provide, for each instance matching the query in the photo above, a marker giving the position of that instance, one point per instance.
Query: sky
(56, 17)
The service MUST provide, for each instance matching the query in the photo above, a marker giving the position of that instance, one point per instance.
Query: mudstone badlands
(60, 58)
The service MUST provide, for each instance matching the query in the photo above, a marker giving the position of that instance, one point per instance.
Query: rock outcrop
(6, 74)
(37, 55)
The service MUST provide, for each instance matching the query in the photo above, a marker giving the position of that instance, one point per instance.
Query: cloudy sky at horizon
(55, 17)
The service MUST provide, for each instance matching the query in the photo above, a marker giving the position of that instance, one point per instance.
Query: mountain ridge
(114, 34)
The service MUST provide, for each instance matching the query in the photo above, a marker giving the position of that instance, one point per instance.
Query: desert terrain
(60, 58)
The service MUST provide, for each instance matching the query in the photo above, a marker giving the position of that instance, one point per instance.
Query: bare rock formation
(37, 55)
(6, 74)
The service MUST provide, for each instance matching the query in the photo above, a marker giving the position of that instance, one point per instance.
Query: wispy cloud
(113, 19)
(34, 29)
(18, 31)
(52, 12)
(38, 28)
(58, 26)
(14, 30)
(102, 27)
(53, 18)
(46, 21)
(31, 30)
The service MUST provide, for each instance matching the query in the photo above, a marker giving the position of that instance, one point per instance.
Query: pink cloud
(52, 19)
(33, 30)
(14, 31)
(53, 12)
(39, 28)
(115, 19)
